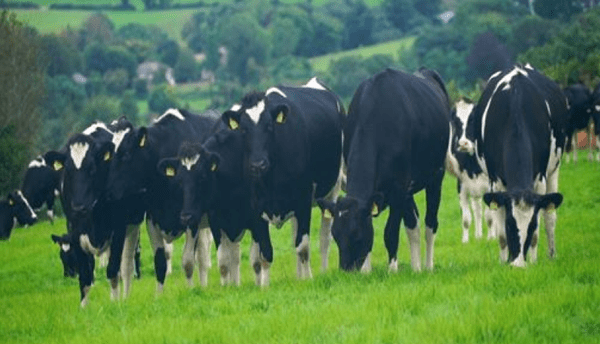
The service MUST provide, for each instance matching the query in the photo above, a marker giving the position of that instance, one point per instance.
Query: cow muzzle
(259, 169)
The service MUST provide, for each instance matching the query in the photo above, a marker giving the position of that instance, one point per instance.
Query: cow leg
(103, 258)
(228, 255)
(169, 257)
(86, 274)
(260, 235)
(114, 261)
(433, 196)
(574, 138)
(50, 205)
(391, 236)
(500, 221)
(550, 215)
(189, 253)
(301, 221)
(476, 205)
(160, 259)
(326, 223)
(138, 273)
(466, 214)
(203, 255)
(590, 134)
(598, 147)
(491, 224)
(132, 238)
(255, 262)
(411, 223)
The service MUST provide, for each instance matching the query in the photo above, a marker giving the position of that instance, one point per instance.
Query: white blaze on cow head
(255, 112)
(170, 113)
(78, 151)
(38, 162)
(189, 162)
(118, 137)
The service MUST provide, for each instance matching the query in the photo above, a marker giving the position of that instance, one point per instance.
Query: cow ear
(231, 119)
(142, 137)
(214, 161)
(377, 204)
(550, 201)
(56, 239)
(55, 159)
(10, 199)
(495, 199)
(105, 151)
(327, 207)
(168, 167)
(281, 113)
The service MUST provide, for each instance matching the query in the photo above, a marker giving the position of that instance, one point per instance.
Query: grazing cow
(40, 185)
(518, 133)
(134, 172)
(395, 142)
(94, 224)
(213, 183)
(471, 181)
(293, 144)
(580, 107)
(14, 209)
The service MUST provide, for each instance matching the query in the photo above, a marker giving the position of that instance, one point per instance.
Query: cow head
(520, 210)
(459, 120)
(258, 118)
(85, 163)
(15, 208)
(195, 170)
(352, 228)
(67, 254)
(129, 165)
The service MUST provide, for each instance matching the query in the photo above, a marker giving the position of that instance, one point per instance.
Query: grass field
(469, 298)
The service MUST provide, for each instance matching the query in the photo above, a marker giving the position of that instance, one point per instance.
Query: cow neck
(517, 159)
(362, 172)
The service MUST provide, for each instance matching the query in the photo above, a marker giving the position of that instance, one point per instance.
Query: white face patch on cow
(597, 107)
(314, 83)
(118, 138)
(78, 152)
(171, 112)
(189, 162)
(32, 213)
(275, 90)
(65, 247)
(523, 214)
(38, 162)
(255, 112)
(235, 107)
(94, 127)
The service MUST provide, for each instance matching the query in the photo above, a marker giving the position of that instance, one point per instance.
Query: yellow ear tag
(327, 214)
(213, 167)
(375, 210)
(280, 118)
(107, 156)
(494, 206)
(11, 202)
(170, 172)
(57, 165)
(143, 141)
(233, 124)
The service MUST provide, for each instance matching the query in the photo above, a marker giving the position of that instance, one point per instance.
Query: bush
(116, 81)
(100, 108)
(129, 108)
(186, 69)
(161, 99)
(140, 86)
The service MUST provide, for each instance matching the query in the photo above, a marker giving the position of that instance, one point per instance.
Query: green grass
(469, 298)
(394, 48)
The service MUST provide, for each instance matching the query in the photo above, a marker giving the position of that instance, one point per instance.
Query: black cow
(41, 185)
(395, 143)
(293, 144)
(134, 172)
(519, 131)
(14, 209)
(94, 224)
(472, 182)
(213, 183)
(580, 107)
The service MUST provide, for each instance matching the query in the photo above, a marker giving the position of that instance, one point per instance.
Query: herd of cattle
(273, 155)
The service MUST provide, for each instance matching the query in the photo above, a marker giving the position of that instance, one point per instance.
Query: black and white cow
(12, 210)
(580, 107)
(472, 182)
(395, 143)
(212, 177)
(41, 185)
(134, 172)
(94, 224)
(518, 133)
(293, 144)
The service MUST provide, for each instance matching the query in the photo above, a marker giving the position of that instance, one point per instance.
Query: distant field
(394, 48)
(469, 298)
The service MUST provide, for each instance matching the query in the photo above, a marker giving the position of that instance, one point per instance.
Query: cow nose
(185, 218)
(465, 146)
(259, 168)
(78, 208)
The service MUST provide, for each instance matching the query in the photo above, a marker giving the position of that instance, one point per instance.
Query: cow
(12, 210)
(212, 178)
(293, 143)
(580, 107)
(471, 181)
(134, 171)
(395, 143)
(518, 132)
(95, 224)
(596, 118)
(40, 185)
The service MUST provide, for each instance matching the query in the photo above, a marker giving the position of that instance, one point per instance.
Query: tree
(186, 69)
(98, 28)
(161, 99)
(128, 107)
(21, 89)
(61, 55)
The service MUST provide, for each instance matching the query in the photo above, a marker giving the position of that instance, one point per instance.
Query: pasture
(469, 298)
